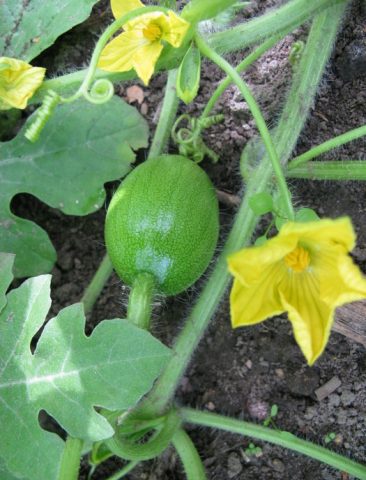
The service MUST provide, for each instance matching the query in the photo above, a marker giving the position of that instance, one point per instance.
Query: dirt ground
(242, 372)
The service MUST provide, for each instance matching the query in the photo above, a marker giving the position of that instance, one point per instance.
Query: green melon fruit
(163, 220)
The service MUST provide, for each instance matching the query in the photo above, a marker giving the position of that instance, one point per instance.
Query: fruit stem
(140, 301)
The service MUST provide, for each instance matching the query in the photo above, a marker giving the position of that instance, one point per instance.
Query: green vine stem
(124, 471)
(140, 301)
(280, 21)
(70, 461)
(167, 116)
(258, 117)
(338, 170)
(97, 283)
(192, 463)
(241, 67)
(326, 146)
(298, 104)
(284, 439)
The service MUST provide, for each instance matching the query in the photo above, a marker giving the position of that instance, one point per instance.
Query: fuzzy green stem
(124, 471)
(284, 439)
(296, 110)
(140, 301)
(97, 283)
(70, 461)
(277, 21)
(166, 118)
(258, 117)
(328, 145)
(338, 170)
(192, 463)
(258, 52)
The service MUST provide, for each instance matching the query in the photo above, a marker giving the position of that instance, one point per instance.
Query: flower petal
(18, 82)
(330, 232)
(311, 318)
(253, 304)
(341, 281)
(174, 29)
(118, 55)
(249, 264)
(145, 59)
(121, 7)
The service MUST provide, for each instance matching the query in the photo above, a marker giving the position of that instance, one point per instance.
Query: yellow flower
(18, 82)
(141, 43)
(305, 271)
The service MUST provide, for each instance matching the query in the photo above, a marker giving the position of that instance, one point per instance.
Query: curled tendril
(101, 92)
(129, 447)
(189, 139)
(44, 112)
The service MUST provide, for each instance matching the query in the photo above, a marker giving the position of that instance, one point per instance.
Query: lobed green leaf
(68, 376)
(81, 147)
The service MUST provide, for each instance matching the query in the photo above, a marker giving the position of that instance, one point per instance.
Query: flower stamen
(298, 260)
(152, 32)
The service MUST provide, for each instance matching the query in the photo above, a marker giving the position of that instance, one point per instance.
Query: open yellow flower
(305, 271)
(18, 82)
(141, 43)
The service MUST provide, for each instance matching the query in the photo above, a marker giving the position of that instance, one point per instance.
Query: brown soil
(243, 372)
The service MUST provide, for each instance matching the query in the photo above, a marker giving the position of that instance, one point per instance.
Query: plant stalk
(97, 283)
(284, 439)
(192, 463)
(70, 461)
(280, 21)
(166, 118)
(338, 170)
(140, 301)
(258, 117)
(326, 146)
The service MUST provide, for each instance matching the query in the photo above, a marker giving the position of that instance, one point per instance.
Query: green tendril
(45, 111)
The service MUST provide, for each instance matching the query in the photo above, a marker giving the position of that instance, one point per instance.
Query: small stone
(280, 373)
(249, 364)
(144, 109)
(334, 400)
(234, 465)
(303, 383)
(328, 388)
(310, 413)
(347, 398)
(258, 409)
(278, 466)
(210, 406)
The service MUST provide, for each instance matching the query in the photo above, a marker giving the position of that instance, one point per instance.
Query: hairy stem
(284, 439)
(326, 146)
(338, 170)
(258, 117)
(140, 301)
(124, 471)
(277, 21)
(258, 52)
(193, 466)
(97, 283)
(70, 461)
(166, 118)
